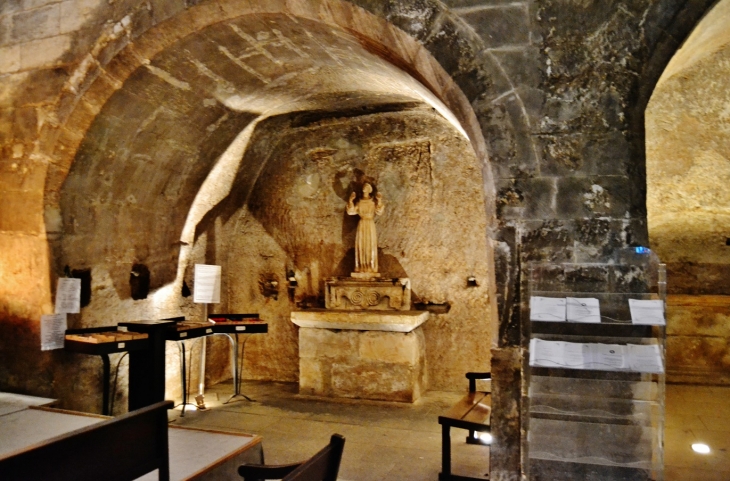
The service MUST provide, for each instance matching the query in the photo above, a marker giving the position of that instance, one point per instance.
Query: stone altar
(377, 355)
(367, 343)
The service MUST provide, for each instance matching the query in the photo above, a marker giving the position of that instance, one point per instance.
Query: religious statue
(366, 240)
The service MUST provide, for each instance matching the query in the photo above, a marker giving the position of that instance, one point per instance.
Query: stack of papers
(603, 357)
(649, 312)
(572, 309)
(587, 310)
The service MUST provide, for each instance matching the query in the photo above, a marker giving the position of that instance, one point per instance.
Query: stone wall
(552, 91)
(688, 207)
(698, 334)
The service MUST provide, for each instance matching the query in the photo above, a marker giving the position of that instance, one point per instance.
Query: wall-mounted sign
(53, 331)
(207, 287)
(68, 295)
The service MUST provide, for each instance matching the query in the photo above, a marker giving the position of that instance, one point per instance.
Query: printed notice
(597, 356)
(547, 309)
(207, 284)
(583, 310)
(68, 296)
(645, 358)
(53, 330)
(571, 355)
(648, 312)
(608, 357)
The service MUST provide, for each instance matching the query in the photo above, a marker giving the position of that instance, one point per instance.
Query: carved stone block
(375, 294)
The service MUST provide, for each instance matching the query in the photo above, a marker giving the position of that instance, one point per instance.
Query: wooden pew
(473, 413)
(119, 449)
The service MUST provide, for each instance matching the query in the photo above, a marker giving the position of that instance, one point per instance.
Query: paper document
(649, 312)
(207, 285)
(53, 331)
(547, 309)
(645, 358)
(570, 355)
(583, 310)
(597, 356)
(68, 295)
(608, 357)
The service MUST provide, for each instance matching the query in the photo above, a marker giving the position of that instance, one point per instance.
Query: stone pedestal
(362, 355)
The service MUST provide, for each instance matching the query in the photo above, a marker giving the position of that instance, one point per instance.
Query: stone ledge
(391, 321)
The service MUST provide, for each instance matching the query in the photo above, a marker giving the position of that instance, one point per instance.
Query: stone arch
(120, 51)
(688, 169)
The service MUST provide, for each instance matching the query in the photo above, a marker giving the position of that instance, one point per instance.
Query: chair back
(323, 466)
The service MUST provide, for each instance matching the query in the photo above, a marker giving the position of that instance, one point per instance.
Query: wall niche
(433, 230)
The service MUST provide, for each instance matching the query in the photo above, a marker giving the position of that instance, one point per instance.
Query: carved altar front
(374, 294)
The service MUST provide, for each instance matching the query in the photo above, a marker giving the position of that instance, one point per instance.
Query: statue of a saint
(366, 240)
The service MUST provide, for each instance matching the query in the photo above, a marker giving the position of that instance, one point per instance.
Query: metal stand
(237, 369)
(201, 382)
(184, 402)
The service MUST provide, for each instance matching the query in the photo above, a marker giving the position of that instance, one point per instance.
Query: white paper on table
(608, 357)
(645, 358)
(585, 309)
(207, 287)
(68, 295)
(648, 312)
(53, 331)
(547, 309)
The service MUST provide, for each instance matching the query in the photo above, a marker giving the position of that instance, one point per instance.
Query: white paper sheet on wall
(647, 312)
(207, 287)
(547, 309)
(584, 309)
(68, 295)
(53, 331)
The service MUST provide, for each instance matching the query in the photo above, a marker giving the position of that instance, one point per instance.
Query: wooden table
(194, 454)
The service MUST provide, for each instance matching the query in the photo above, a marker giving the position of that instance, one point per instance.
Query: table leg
(236, 371)
(445, 473)
(105, 390)
(183, 378)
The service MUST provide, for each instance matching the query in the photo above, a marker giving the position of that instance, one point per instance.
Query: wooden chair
(119, 449)
(473, 413)
(323, 466)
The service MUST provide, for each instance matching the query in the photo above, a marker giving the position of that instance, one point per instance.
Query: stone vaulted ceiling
(136, 178)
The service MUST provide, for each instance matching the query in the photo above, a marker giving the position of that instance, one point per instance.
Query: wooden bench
(473, 413)
(118, 449)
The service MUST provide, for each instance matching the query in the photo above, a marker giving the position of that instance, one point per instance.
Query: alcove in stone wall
(433, 230)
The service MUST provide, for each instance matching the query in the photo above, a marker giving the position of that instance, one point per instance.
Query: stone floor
(384, 441)
(402, 442)
(697, 414)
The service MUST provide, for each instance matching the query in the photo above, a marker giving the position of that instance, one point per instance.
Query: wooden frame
(118, 449)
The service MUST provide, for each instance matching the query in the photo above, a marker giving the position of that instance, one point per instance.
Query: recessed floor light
(701, 448)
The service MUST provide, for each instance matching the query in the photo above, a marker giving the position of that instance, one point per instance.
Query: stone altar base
(383, 365)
